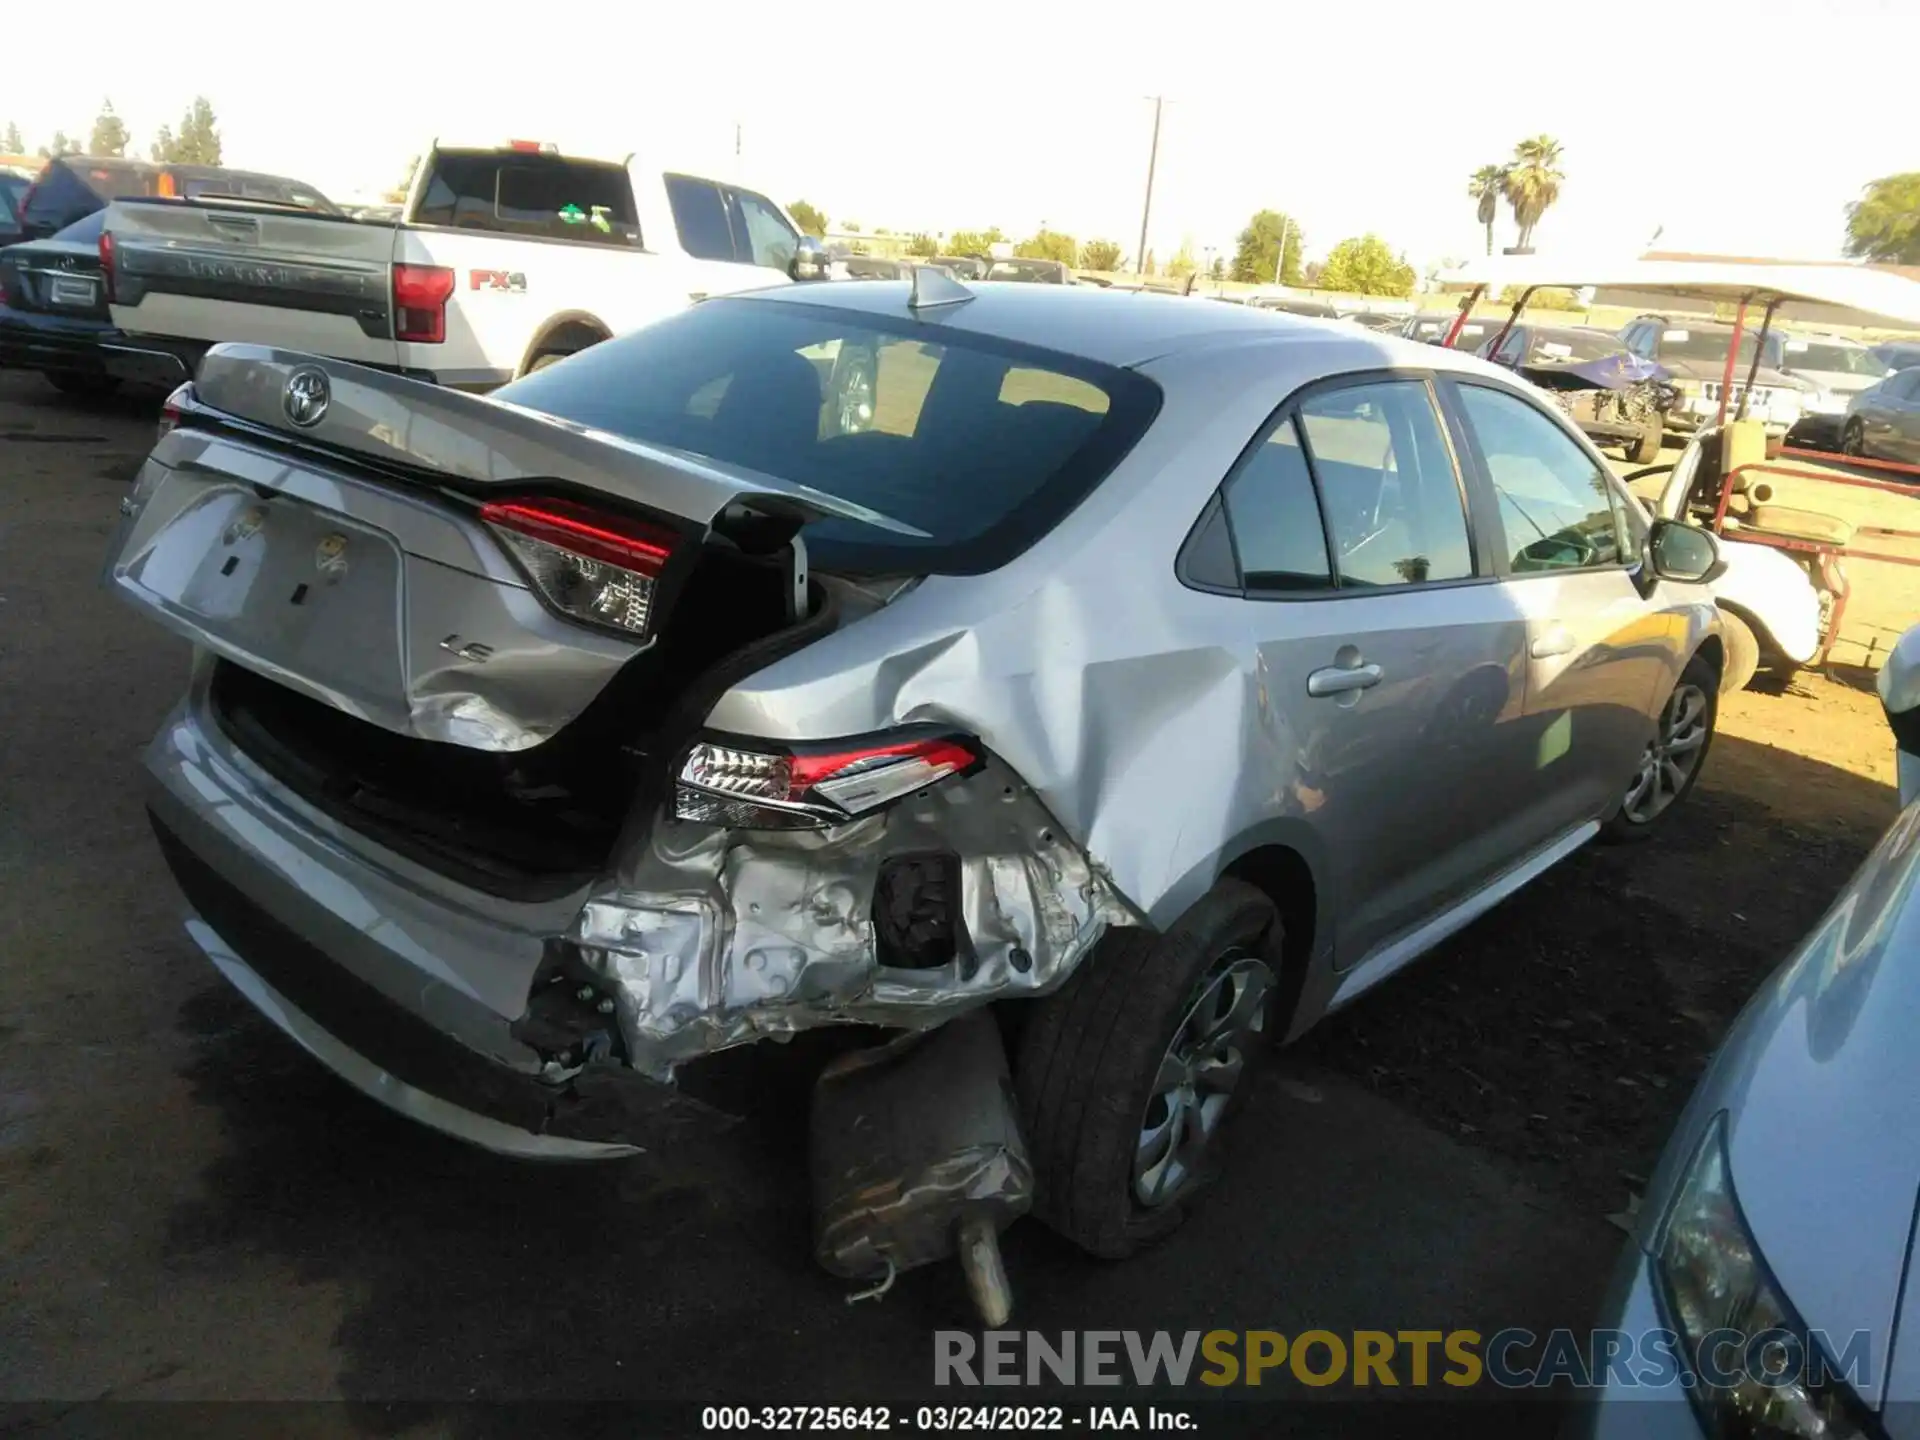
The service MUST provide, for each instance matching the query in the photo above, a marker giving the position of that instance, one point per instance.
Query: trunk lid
(53, 277)
(347, 558)
(206, 270)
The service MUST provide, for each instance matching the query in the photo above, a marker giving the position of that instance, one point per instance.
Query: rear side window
(1275, 518)
(1555, 504)
(1387, 483)
(971, 447)
(545, 197)
(760, 235)
(700, 216)
(61, 197)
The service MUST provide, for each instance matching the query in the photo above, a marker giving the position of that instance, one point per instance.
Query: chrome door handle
(1338, 680)
(1554, 642)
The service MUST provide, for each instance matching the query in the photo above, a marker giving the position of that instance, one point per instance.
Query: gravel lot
(190, 1209)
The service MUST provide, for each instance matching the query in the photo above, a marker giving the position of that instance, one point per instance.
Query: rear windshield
(541, 196)
(1047, 272)
(980, 444)
(11, 189)
(1706, 345)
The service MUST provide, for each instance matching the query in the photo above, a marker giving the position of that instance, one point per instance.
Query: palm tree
(1533, 182)
(1488, 184)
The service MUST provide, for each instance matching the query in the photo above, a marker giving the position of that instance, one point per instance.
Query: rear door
(1569, 549)
(1393, 664)
(212, 271)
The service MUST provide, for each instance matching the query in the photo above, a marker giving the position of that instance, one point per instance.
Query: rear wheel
(1129, 1074)
(86, 386)
(1853, 440)
(1670, 765)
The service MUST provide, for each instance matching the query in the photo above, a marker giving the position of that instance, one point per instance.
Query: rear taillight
(171, 410)
(420, 295)
(106, 263)
(585, 563)
(740, 785)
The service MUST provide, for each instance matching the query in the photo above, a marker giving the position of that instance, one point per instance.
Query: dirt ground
(1564, 1031)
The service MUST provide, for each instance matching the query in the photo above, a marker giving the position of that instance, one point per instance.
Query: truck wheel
(1130, 1072)
(1646, 449)
(1743, 653)
(551, 357)
(1674, 755)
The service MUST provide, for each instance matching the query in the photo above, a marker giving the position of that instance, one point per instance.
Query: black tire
(546, 358)
(86, 387)
(1646, 449)
(1853, 440)
(1743, 653)
(1704, 678)
(1090, 1053)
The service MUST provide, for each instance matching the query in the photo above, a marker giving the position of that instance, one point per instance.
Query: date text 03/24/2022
(938, 1419)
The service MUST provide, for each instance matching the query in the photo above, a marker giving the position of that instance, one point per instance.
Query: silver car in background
(1775, 1254)
(1164, 675)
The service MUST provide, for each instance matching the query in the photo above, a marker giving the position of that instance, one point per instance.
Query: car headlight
(1758, 1371)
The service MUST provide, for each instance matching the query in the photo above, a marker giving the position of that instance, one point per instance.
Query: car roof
(1113, 327)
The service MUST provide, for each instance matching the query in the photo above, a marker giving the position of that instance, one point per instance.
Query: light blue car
(1775, 1252)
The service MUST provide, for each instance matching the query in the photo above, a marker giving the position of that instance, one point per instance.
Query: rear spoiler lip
(244, 383)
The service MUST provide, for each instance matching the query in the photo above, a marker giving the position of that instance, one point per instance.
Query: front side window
(1555, 503)
(1393, 505)
(761, 236)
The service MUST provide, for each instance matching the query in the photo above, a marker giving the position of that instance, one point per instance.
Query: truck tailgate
(199, 270)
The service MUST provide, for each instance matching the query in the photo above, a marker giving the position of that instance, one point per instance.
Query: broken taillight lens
(587, 564)
(754, 789)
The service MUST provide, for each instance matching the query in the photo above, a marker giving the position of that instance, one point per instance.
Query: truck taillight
(106, 263)
(420, 294)
(585, 563)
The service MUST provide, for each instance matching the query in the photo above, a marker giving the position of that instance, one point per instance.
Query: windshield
(1832, 359)
(1571, 347)
(981, 444)
(1042, 270)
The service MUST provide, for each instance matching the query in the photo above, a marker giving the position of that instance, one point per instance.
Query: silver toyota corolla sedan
(1162, 674)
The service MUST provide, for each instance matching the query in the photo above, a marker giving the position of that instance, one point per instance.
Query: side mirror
(810, 260)
(1684, 553)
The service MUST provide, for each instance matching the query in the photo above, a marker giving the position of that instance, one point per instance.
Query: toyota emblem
(306, 397)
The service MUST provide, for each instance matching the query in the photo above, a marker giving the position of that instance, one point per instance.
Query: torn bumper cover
(713, 938)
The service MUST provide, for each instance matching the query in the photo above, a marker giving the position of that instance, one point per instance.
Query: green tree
(923, 245)
(1146, 266)
(1533, 182)
(1365, 266)
(60, 145)
(1048, 245)
(974, 242)
(398, 194)
(1884, 223)
(1182, 264)
(1217, 270)
(197, 142)
(1260, 257)
(1100, 255)
(109, 135)
(810, 219)
(1487, 186)
(11, 142)
(851, 227)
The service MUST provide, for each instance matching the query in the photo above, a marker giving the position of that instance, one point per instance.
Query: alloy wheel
(1671, 757)
(1200, 1070)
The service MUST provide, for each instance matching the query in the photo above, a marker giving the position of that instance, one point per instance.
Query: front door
(1596, 651)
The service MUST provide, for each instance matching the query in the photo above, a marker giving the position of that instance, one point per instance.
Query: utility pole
(1153, 157)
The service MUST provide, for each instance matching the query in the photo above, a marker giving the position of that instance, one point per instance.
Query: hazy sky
(1352, 117)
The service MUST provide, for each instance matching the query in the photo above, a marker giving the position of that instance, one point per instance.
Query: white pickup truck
(504, 258)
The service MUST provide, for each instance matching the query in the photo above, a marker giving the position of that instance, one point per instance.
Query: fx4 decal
(510, 280)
